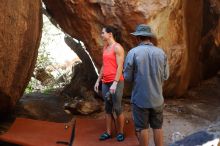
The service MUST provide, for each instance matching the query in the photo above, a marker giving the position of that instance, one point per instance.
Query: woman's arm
(96, 87)
(119, 52)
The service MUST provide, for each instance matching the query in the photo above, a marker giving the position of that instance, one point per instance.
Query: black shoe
(104, 136)
(120, 137)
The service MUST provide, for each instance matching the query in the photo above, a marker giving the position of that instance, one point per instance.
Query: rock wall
(20, 32)
(181, 26)
(210, 44)
(84, 75)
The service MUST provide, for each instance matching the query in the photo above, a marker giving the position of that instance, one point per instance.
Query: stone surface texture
(20, 33)
(188, 31)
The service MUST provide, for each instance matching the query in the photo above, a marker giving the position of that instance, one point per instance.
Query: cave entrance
(64, 74)
(55, 61)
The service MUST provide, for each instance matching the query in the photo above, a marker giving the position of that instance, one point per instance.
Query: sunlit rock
(188, 31)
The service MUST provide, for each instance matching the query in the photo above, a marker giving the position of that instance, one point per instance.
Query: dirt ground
(178, 123)
(197, 110)
(178, 120)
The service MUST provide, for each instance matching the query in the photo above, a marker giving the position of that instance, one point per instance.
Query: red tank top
(109, 65)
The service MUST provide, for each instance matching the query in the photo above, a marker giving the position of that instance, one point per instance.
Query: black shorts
(143, 117)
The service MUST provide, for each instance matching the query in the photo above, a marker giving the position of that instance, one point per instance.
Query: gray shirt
(146, 66)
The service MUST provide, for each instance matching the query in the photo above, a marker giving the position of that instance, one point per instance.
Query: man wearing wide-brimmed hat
(146, 66)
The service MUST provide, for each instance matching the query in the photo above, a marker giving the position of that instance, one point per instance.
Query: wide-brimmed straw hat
(143, 30)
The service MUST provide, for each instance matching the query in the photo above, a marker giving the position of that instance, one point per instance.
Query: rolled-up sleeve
(166, 68)
(129, 67)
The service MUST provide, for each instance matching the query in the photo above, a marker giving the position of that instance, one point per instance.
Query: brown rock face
(184, 29)
(210, 43)
(20, 31)
(84, 75)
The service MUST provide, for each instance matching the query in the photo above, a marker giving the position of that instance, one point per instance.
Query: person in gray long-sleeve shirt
(147, 67)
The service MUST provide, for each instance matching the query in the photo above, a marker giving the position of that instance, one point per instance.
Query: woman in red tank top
(112, 81)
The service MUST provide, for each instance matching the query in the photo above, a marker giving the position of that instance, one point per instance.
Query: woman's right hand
(96, 87)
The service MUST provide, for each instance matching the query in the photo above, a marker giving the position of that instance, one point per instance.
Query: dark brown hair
(151, 39)
(115, 32)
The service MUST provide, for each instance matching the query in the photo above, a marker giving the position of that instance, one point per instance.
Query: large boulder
(188, 31)
(83, 75)
(20, 33)
(47, 107)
